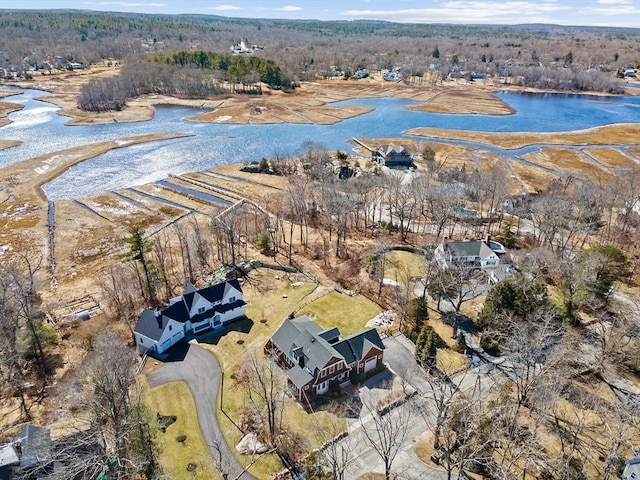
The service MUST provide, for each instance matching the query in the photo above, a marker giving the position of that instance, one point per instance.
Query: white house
(481, 253)
(632, 469)
(192, 313)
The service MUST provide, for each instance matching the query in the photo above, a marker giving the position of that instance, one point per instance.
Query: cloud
(613, 10)
(470, 11)
(128, 4)
(286, 8)
(224, 8)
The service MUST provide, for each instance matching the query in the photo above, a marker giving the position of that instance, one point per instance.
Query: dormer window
(201, 310)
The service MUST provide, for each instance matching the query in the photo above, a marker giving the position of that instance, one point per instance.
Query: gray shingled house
(478, 253)
(193, 313)
(313, 358)
(28, 455)
(392, 156)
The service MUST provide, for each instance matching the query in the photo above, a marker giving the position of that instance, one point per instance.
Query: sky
(616, 13)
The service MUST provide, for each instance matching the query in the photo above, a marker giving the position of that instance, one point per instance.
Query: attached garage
(370, 364)
(171, 341)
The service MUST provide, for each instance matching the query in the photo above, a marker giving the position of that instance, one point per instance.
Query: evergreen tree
(138, 247)
(568, 58)
(417, 312)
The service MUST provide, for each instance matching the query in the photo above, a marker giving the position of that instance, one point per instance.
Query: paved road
(399, 356)
(363, 458)
(201, 372)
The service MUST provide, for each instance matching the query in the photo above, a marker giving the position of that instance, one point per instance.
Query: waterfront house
(193, 313)
(392, 156)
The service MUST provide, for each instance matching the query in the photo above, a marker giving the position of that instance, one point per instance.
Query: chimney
(158, 314)
(487, 238)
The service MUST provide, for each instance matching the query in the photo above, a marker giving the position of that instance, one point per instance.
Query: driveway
(201, 372)
(398, 355)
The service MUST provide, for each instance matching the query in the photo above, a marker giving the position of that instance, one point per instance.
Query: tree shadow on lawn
(243, 325)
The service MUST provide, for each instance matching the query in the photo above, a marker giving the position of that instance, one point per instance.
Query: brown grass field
(623, 134)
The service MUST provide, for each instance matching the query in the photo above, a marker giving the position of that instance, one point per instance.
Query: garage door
(370, 364)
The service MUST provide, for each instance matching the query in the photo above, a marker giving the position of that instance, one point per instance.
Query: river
(43, 131)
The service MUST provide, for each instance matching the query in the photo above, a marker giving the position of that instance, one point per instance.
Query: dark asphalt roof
(356, 346)
(302, 336)
(475, 248)
(331, 335)
(299, 376)
(36, 446)
(150, 326)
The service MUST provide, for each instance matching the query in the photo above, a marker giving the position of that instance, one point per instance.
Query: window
(170, 327)
(201, 310)
(331, 369)
(232, 299)
(141, 340)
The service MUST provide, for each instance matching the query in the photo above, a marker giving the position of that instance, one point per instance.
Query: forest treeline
(183, 74)
(235, 68)
(546, 56)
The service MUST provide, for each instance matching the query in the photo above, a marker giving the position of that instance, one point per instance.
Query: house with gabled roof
(392, 156)
(474, 253)
(632, 469)
(27, 453)
(313, 358)
(193, 313)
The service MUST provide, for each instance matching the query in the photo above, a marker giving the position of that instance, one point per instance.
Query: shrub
(489, 345)
(461, 343)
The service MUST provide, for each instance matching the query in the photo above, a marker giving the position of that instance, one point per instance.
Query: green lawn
(347, 313)
(401, 266)
(175, 399)
(271, 299)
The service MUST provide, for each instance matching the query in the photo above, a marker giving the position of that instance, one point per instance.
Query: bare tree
(117, 284)
(534, 347)
(456, 284)
(264, 383)
(112, 380)
(335, 443)
(385, 431)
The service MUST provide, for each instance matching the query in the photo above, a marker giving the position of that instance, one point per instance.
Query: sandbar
(618, 134)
